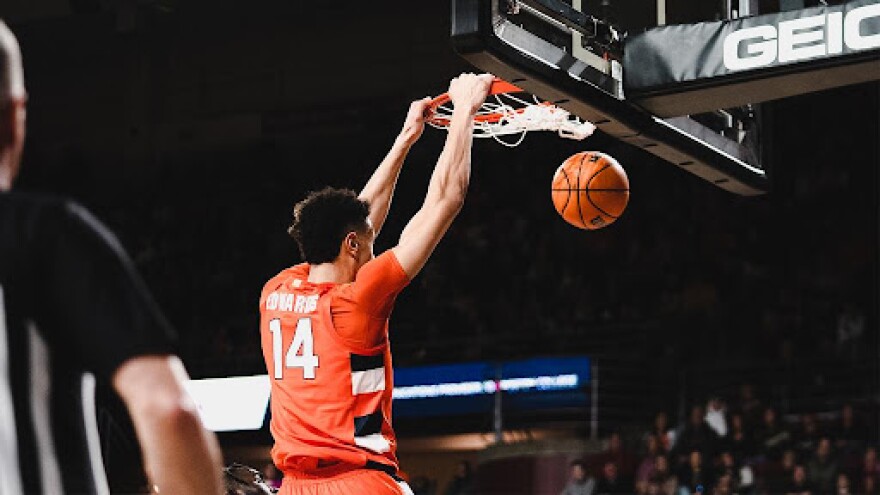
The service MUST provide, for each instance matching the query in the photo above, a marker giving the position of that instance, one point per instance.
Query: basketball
(590, 190)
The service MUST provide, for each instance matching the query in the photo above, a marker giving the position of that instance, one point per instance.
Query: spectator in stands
(716, 416)
(822, 468)
(462, 481)
(646, 468)
(741, 476)
(869, 485)
(612, 482)
(665, 481)
(749, 406)
(696, 473)
(843, 485)
(615, 453)
(848, 433)
(870, 465)
(670, 486)
(724, 485)
(806, 438)
(772, 438)
(579, 483)
(727, 465)
(798, 485)
(651, 447)
(661, 468)
(653, 488)
(662, 431)
(696, 435)
(777, 479)
(739, 442)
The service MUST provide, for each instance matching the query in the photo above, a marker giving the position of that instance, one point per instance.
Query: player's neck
(335, 273)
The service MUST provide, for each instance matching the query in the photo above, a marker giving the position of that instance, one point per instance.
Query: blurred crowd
(462, 483)
(741, 447)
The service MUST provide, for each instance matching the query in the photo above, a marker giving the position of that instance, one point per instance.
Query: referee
(73, 311)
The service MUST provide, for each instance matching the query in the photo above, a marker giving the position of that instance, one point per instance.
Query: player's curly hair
(322, 220)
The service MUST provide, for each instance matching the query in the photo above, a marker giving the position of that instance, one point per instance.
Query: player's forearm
(450, 179)
(451, 176)
(175, 446)
(379, 190)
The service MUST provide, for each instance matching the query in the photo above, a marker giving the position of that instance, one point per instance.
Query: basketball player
(324, 323)
(73, 308)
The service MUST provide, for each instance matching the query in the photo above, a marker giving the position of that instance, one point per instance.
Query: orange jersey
(327, 352)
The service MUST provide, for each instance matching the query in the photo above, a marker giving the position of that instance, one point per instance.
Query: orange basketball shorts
(363, 481)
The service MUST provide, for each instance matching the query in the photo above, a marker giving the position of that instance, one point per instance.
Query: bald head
(12, 107)
(11, 71)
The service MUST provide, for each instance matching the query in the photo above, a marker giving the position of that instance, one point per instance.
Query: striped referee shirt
(72, 309)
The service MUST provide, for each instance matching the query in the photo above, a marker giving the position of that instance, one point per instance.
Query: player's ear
(351, 243)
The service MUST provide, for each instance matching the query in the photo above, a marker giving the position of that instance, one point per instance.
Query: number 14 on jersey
(293, 358)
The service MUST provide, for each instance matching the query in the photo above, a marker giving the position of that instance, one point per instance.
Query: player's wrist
(406, 138)
(469, 108)
(462, 116)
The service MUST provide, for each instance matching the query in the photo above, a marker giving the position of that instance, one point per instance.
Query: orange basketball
(590, 190)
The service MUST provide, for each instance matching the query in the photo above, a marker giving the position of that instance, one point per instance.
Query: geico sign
(799, 39)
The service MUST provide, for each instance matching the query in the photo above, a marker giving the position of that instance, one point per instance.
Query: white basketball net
(504, 114)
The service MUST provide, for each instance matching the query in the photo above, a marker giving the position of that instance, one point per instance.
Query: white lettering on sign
(800, 39)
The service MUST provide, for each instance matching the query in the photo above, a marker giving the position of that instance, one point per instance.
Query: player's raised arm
(449, 182)
(380, 188)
